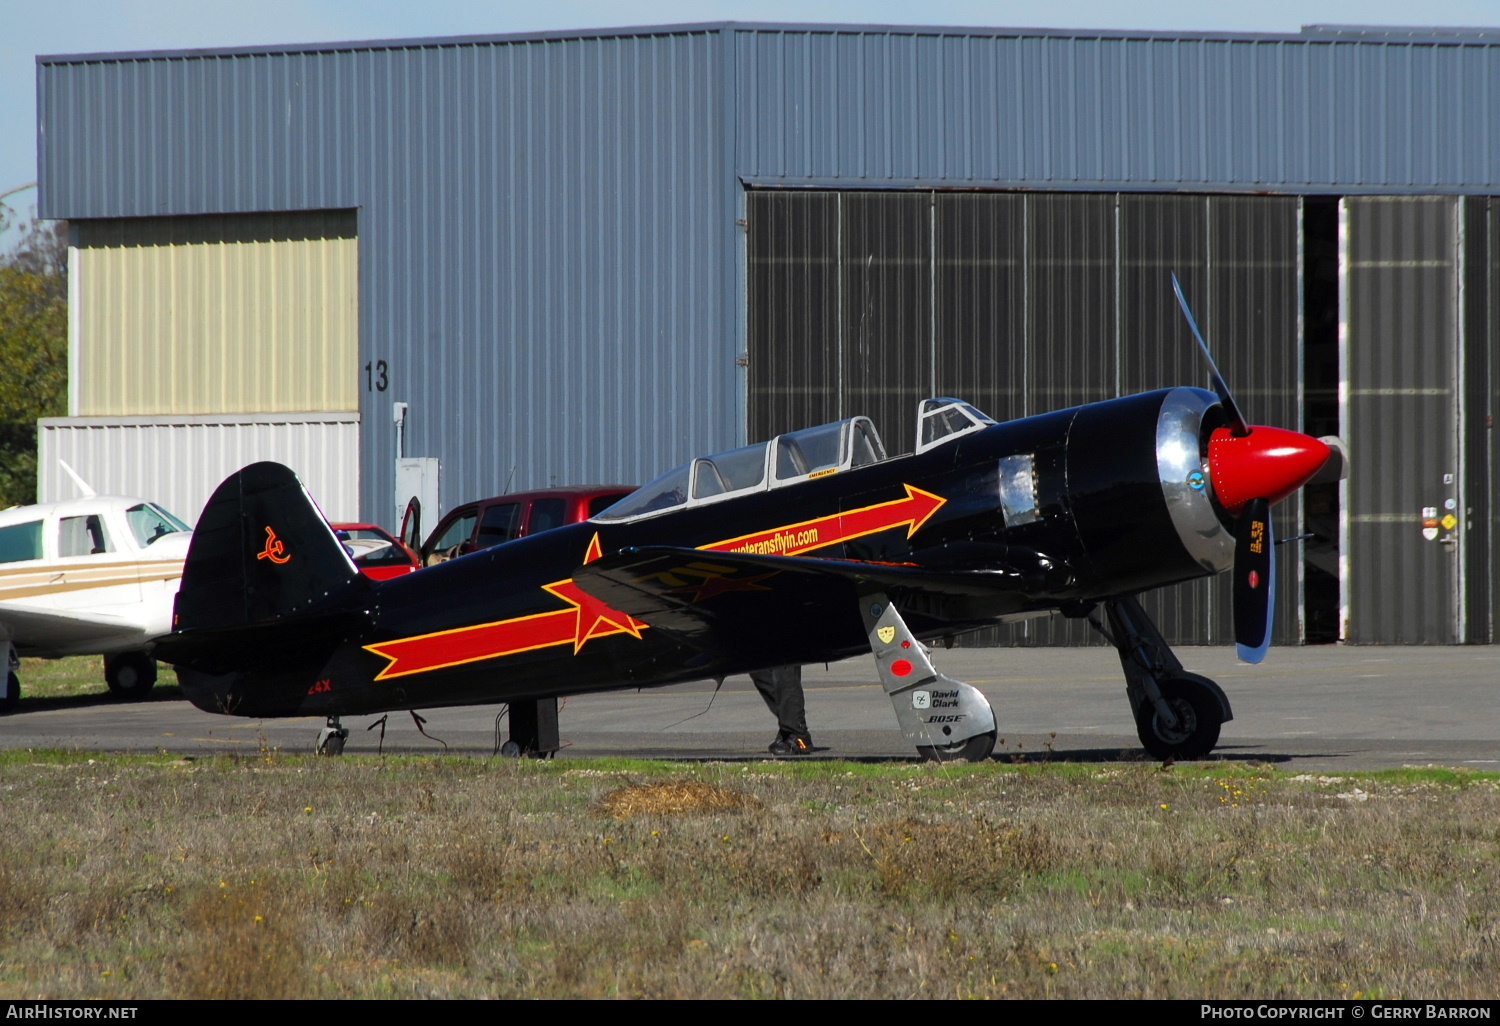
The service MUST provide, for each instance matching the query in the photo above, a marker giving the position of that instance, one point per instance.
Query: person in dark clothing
(782, 690)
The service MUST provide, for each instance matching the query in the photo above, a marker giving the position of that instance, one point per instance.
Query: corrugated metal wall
(552, 213)
(550, 268)
(1023, 303)
(1479, 457)
(1402, 274)
(243, 313)
(854, 106)
(547, 242)
(1484, 442)
(179, 461)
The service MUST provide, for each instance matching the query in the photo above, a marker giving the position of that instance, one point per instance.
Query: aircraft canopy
(786, 459)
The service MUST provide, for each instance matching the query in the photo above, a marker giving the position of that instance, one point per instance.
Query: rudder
(267, 590)
(262, 552)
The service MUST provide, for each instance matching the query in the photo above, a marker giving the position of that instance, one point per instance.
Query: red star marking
(718, 584)
(595, 619)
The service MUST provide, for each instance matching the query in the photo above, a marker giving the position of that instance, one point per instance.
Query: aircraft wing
(52, 630)
(782, 609)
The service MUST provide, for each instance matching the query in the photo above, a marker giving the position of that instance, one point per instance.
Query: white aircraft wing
(51, 630)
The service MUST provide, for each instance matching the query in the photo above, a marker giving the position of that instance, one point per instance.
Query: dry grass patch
(676, 798)
(145, 877)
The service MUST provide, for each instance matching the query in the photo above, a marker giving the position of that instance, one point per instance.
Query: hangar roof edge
(1314, 34)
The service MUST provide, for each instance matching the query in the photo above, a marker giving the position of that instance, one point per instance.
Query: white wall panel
(177, 462)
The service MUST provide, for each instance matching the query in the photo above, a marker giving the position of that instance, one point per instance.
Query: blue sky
(29, 27)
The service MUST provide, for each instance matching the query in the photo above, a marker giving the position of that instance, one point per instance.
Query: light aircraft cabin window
(82, 536)
(865, 445)
(665, 492)
(939, 420)
(502, 523)
(599, 503)
(21, 541)
(149, 522)
(812, 452)
(731, 471)
(827, 449)
(1018, 490)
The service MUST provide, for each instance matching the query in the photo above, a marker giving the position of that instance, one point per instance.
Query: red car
(502, 518)
(375, 552)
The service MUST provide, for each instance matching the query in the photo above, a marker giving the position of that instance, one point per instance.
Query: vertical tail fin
(268, 595)
(267, 589)
(262, 552)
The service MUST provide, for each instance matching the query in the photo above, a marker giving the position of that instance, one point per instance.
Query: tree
(33, 350)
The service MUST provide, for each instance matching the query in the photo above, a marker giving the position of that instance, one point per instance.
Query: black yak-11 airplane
(811, 547)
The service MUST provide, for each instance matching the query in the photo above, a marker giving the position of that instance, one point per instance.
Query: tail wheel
(1198, 714)
(973, 749)
(130, 675)
(12, 696)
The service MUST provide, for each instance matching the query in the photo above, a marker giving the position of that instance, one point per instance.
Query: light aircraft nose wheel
(974, 749)
(129, 675)
(1198, 720)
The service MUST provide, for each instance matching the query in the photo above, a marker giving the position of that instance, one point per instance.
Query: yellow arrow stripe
(808, 535)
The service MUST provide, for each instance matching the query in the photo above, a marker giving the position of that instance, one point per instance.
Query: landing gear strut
(10, 697)
(332, 737)
(1177, 714)
(533, 729)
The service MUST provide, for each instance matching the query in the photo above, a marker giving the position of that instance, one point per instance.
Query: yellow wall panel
(241, 313)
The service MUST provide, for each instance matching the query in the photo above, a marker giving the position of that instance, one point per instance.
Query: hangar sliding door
(1405, 522)
(865, 303)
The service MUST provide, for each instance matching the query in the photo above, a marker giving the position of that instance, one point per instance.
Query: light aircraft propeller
(1251, 469)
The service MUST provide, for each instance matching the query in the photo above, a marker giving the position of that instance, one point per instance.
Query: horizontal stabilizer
(297, 641)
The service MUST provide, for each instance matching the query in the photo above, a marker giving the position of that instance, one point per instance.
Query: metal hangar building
(587, 256)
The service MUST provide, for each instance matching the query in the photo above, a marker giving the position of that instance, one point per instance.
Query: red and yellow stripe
(586, 617)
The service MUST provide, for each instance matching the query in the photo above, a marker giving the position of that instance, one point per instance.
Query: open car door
(411, 525)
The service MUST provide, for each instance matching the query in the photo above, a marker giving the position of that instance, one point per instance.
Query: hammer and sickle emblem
(275, 551)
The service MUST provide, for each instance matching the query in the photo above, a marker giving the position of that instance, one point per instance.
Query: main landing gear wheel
(974, 749)
(1199, 718)
(129, 675)
(12, 695)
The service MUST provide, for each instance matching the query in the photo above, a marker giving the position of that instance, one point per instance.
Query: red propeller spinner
(1269, 463)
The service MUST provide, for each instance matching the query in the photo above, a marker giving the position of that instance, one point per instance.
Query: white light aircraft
(89, 576)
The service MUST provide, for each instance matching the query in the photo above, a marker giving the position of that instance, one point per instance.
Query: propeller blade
(1236, 421)
(1254, 580)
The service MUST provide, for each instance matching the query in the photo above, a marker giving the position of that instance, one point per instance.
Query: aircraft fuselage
(1115, 503)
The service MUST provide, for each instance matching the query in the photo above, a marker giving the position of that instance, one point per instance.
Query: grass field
(289, 876)
(77, 677)
(73, 677)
